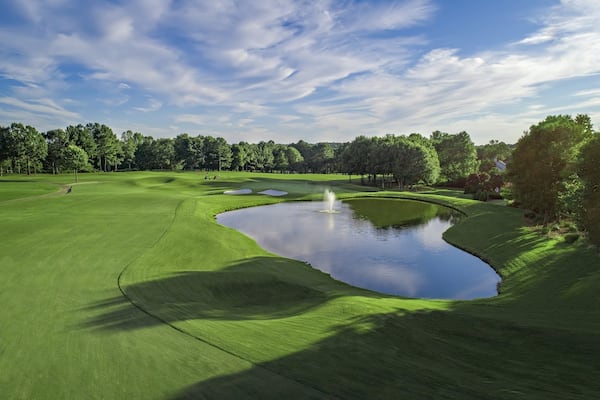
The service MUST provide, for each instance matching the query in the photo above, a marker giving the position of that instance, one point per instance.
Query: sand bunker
(273, 192)
(239, 191)
(268, 192)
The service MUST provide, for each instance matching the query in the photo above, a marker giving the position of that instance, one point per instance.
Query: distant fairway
(127, 288)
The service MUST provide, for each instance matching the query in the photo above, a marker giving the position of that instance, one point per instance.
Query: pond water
(387, 245)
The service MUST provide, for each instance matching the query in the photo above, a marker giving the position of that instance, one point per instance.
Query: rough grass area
(127, 288)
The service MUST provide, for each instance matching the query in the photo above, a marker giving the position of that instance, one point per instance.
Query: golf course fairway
(127, 288)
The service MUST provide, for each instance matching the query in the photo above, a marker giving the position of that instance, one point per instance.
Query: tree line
(95, 146)
(408, 160)
(553, 170)
(405, 159)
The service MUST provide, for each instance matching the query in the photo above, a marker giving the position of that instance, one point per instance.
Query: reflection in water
(429, 234)
(407, 257)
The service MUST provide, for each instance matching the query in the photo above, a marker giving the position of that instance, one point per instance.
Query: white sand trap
(239, 191)
(273, 192)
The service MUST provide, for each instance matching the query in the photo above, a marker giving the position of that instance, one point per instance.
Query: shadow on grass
(449, 193)
(256, 288)
(457, 353)
(466, 352)
(424, 355)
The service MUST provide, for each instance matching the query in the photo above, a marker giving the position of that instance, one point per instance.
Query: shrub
(484, 186)
(473, 184)
(481, 195)
(589, 171)
(571, 237)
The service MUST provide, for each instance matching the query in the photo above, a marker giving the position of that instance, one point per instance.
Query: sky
(287, 70)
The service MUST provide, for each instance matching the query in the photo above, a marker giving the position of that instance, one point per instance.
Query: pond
(390, 246)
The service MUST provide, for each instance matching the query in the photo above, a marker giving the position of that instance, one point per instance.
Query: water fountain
(329, 200)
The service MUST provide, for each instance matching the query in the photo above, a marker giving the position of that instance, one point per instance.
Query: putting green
(127, 288)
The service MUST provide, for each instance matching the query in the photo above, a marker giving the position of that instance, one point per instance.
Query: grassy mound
(128, 288)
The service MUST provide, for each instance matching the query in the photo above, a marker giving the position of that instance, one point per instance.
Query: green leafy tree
(25, 145)
(378, 163)
(321, 158)
(224, 153)
(156, 154)
(543, 158)
(199, 150)
(252, 157)
(5, 151)
(189, 150)
(431, 171)
(570, 198)
(263, 156)
(457, 156)
(81, 136)
(163, 152)
(408, 160)
(589, 171)
(217, 153)
(144, 153)
(280, 159)
(295, 159)
(355, 157)
(489, 153)
(305, 150)
(585, 122)
(108, 149)
(129, 143)
(58, 141)
(75, 159)
(240, 156)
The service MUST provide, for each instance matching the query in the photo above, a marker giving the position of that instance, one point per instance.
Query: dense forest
(553, 170)
(95, 147)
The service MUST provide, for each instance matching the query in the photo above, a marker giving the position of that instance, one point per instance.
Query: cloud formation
(318, 70)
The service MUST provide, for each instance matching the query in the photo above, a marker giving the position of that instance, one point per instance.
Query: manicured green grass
(23, 188)
(127, 288)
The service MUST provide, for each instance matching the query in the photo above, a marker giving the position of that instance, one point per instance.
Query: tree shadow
(255, 288)
(423, 355)
(472, 350)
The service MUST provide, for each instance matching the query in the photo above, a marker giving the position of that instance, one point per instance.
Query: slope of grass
(128, 288)
(23, 188)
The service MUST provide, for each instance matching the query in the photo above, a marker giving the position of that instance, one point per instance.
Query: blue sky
(288, 70)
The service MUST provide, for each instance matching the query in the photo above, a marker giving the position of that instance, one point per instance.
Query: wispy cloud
(313, 70)
(41, 113)
(587, 93)
(443, 87)
(153, 105)
(191, 119)
(42, 106)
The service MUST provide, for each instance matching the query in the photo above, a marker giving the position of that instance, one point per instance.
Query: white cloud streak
(42, 106)
(153, 105)
(331, 70)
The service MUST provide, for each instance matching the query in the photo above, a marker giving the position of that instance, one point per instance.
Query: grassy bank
(128, 288)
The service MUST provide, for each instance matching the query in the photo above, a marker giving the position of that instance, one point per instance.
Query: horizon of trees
(553, 168)
(440, 158)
